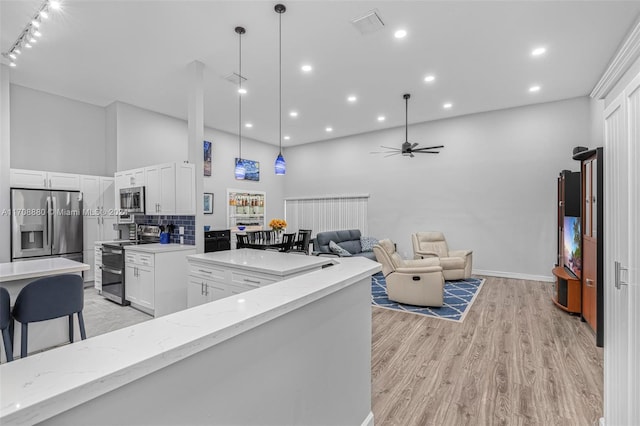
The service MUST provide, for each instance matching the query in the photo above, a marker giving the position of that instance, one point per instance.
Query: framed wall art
(207, 204)
(207, 158)
(252, 169)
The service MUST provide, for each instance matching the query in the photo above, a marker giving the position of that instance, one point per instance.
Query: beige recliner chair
(456, 264)
(414, 282)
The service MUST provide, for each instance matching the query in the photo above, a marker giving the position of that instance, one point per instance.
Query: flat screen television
(572, 247)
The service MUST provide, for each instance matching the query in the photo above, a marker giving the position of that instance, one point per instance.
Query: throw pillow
(367, 243)
(338, 250)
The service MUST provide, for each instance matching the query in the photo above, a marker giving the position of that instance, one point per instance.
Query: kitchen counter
(38, 268)
(15, 276)
(263, 261)
(159, 248)
(104, 368)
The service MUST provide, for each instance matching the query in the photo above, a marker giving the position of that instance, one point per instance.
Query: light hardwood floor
(515, 360)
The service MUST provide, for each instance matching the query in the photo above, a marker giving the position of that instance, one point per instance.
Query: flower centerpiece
(277, 224)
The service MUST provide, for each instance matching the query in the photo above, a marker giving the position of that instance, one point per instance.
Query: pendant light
(280, 164)
(240, 171)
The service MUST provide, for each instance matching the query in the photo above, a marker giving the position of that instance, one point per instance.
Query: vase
(278, 235)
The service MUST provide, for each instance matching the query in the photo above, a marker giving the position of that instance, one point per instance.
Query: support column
(5, 164)
(196, 138)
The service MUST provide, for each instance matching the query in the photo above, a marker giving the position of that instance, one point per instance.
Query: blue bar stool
(6, 323)
(49, 298)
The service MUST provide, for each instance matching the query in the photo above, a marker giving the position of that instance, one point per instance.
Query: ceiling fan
(408, 148)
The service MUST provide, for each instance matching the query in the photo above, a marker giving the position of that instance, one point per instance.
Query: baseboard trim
(369, 420)
(514, 275)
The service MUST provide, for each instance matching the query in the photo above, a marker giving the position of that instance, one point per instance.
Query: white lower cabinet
(155, 282)
(97, 261)
(208, 283)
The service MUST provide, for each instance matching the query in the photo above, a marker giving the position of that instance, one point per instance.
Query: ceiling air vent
(235, 78)
(369, 23)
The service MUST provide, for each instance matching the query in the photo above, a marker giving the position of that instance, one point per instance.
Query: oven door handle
(109, 250)
(111, 271)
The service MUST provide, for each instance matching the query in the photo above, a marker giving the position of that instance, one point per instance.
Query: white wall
(491, 189)
(54, 133)
(224, 152)
(5, 155)
(145, 138)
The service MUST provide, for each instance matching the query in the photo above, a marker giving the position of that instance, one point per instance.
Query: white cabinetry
(156, 277)
(169, 188)
(98, 203)
(38, 179)
(217, 275)
(97, 261)
(139, 280)
(160, 193)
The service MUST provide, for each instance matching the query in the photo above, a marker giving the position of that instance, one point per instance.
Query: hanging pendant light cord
(406, 119)
(240, 99)
(280, 80)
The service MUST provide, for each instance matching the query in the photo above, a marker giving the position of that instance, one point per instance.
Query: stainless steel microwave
(132, 200)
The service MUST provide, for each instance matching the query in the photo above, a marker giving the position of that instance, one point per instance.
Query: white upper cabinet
(169, 188)
(38, 179)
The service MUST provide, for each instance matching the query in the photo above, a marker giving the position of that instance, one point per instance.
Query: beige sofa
(414, 282)
(456, 264)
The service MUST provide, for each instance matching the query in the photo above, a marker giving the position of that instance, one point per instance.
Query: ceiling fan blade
(413, 145)
(391, 154)
(389, 147)
(426, 152)
(429, 147)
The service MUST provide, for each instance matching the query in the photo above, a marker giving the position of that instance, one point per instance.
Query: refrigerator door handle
(48, 221)
(53, 205)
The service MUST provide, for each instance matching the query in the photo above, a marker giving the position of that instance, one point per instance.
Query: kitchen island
(297, 351)
(16, 275)
(220, 274)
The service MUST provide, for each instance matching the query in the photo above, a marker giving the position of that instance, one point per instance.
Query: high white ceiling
(138, 52)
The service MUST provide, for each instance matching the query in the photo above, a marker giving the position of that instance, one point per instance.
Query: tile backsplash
(189, 223)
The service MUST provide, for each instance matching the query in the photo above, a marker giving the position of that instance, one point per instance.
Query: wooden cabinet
(156, 281)
(98, 201)
(38, 179)
(567, 291)
(592, 240)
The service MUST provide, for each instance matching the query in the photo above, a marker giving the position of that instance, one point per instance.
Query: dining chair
(242, 240)
(6, 323)
(287, 241)
(253, 236)
(302, 243)
(49, 298)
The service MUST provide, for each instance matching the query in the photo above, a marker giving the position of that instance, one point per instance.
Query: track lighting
(30, 33)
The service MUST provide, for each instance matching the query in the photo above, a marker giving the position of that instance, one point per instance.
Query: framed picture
(208, 203)
(207, 158)
(252, 169)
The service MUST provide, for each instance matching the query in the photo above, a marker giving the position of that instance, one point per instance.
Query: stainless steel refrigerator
(46, 223)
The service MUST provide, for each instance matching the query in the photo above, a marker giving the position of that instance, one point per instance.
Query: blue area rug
(458, 298)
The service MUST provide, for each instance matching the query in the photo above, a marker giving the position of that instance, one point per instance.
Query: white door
(622, 250)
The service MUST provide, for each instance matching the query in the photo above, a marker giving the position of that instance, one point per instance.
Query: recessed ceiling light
(306, 68)
(429, 78)
(286, 138)
(293, 113)
(447, 105)
(400, 34)
(37, 33)
(12, 55)
(54, 4)
(249, 125)
(12, 64)
(35, 23)
(18, 51)
(44, 14)
(33, 40)
(242, 91)
(534, 89)
(381, 118)
(28, 46)
(352, 98)
(328, 129)
(538, 51)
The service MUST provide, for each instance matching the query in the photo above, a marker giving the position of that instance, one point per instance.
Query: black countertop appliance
(217, 240)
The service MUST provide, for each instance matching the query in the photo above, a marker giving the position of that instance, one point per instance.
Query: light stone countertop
(159, 248)
(43, 385)
(263, 261)
(37, 268)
